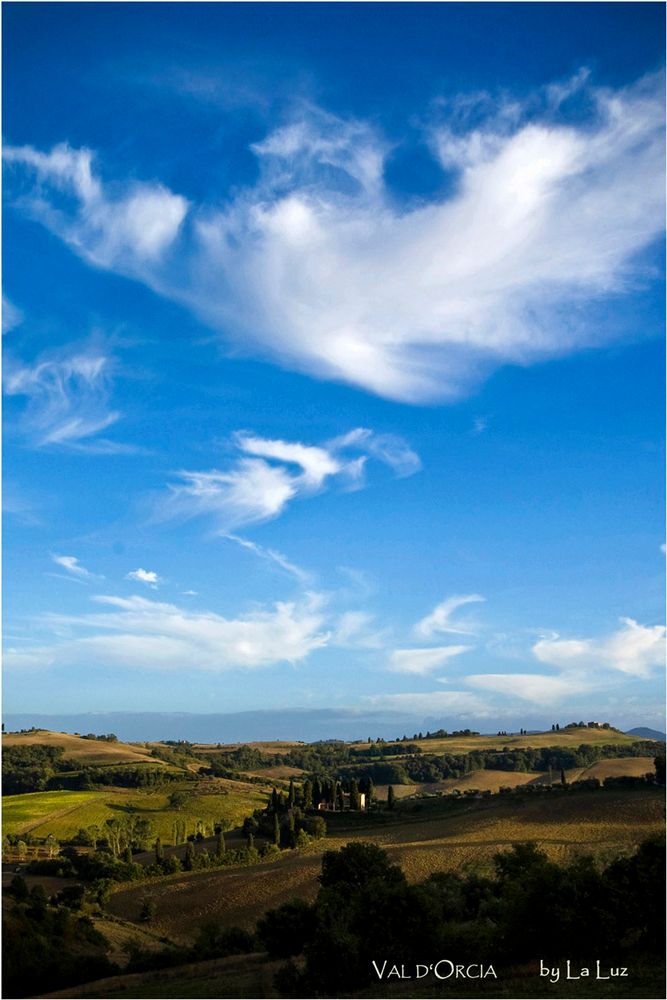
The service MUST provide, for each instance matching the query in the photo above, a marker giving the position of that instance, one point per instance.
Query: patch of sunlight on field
(21, 812)
(63, 814)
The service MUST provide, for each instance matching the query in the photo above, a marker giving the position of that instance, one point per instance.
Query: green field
(62, 814)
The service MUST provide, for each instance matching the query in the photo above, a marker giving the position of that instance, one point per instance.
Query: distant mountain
(646, 734)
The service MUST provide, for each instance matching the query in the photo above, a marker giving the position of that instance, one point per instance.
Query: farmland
(62, 814)
(426, 837)
(84, 751)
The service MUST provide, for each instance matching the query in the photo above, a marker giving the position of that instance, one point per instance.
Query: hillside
(84, 751)
(643, 733)
(434, 836)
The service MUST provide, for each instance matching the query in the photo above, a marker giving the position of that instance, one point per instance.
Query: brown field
(424, 838)
(280, 771)
(513, 741)
(84, 751)
(240, 976)
(271, 747)
(492, 781)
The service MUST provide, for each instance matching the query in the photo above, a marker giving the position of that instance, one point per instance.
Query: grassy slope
(64, 813)
(84, 751)
(434, 836)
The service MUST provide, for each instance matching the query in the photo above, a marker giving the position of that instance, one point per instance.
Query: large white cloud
(140, 633)
(632, 649)
(322, 267)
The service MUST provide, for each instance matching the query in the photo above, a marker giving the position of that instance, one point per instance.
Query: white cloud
(141, 633)
(72, 565)
(354, 631)
(11, 316)
(459, 703)
(272, 555)
(633, 649)
(259, 485)
(541, 689)
(148, 576)
(68, 398)
(132, 230)
(323, 267)
(423, 661)
(439, 620)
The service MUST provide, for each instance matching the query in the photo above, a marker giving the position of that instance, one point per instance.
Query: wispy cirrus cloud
(68, 399)
(11, 315)
(423, 661)
(460, 704)
(73, 566)
(272, 555)
(260, 483)
(439, 622)
(323, 267)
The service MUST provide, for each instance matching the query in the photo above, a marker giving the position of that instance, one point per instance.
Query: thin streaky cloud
(73, 566)
(423, 661)
(272, 555)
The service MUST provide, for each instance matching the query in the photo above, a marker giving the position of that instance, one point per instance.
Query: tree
(276, 829)
(307, 795)
(189, 859)
(250, 840)
(354, 795)
(357, 864)
(220, 845)
(340, 801)
(563, 779)
(291, 796)
(159, 851)
(177, 800)
(148, 910)
(391, 797)
(274, 800)
(659, 764)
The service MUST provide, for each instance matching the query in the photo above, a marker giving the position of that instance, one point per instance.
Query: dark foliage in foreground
(532, 907)
(47, 947)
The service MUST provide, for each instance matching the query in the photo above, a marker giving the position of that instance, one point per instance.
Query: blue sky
(333, 359)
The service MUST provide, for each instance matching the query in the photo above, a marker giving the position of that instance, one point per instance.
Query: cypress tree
(307, 795)
(354, 795)
(189, 859)
(290, 799)
(220, 844)
(340, 801)
(159, 851)
(274, 800)
(292, 831)
(250, 839)
(276, 829)
(391, 797)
